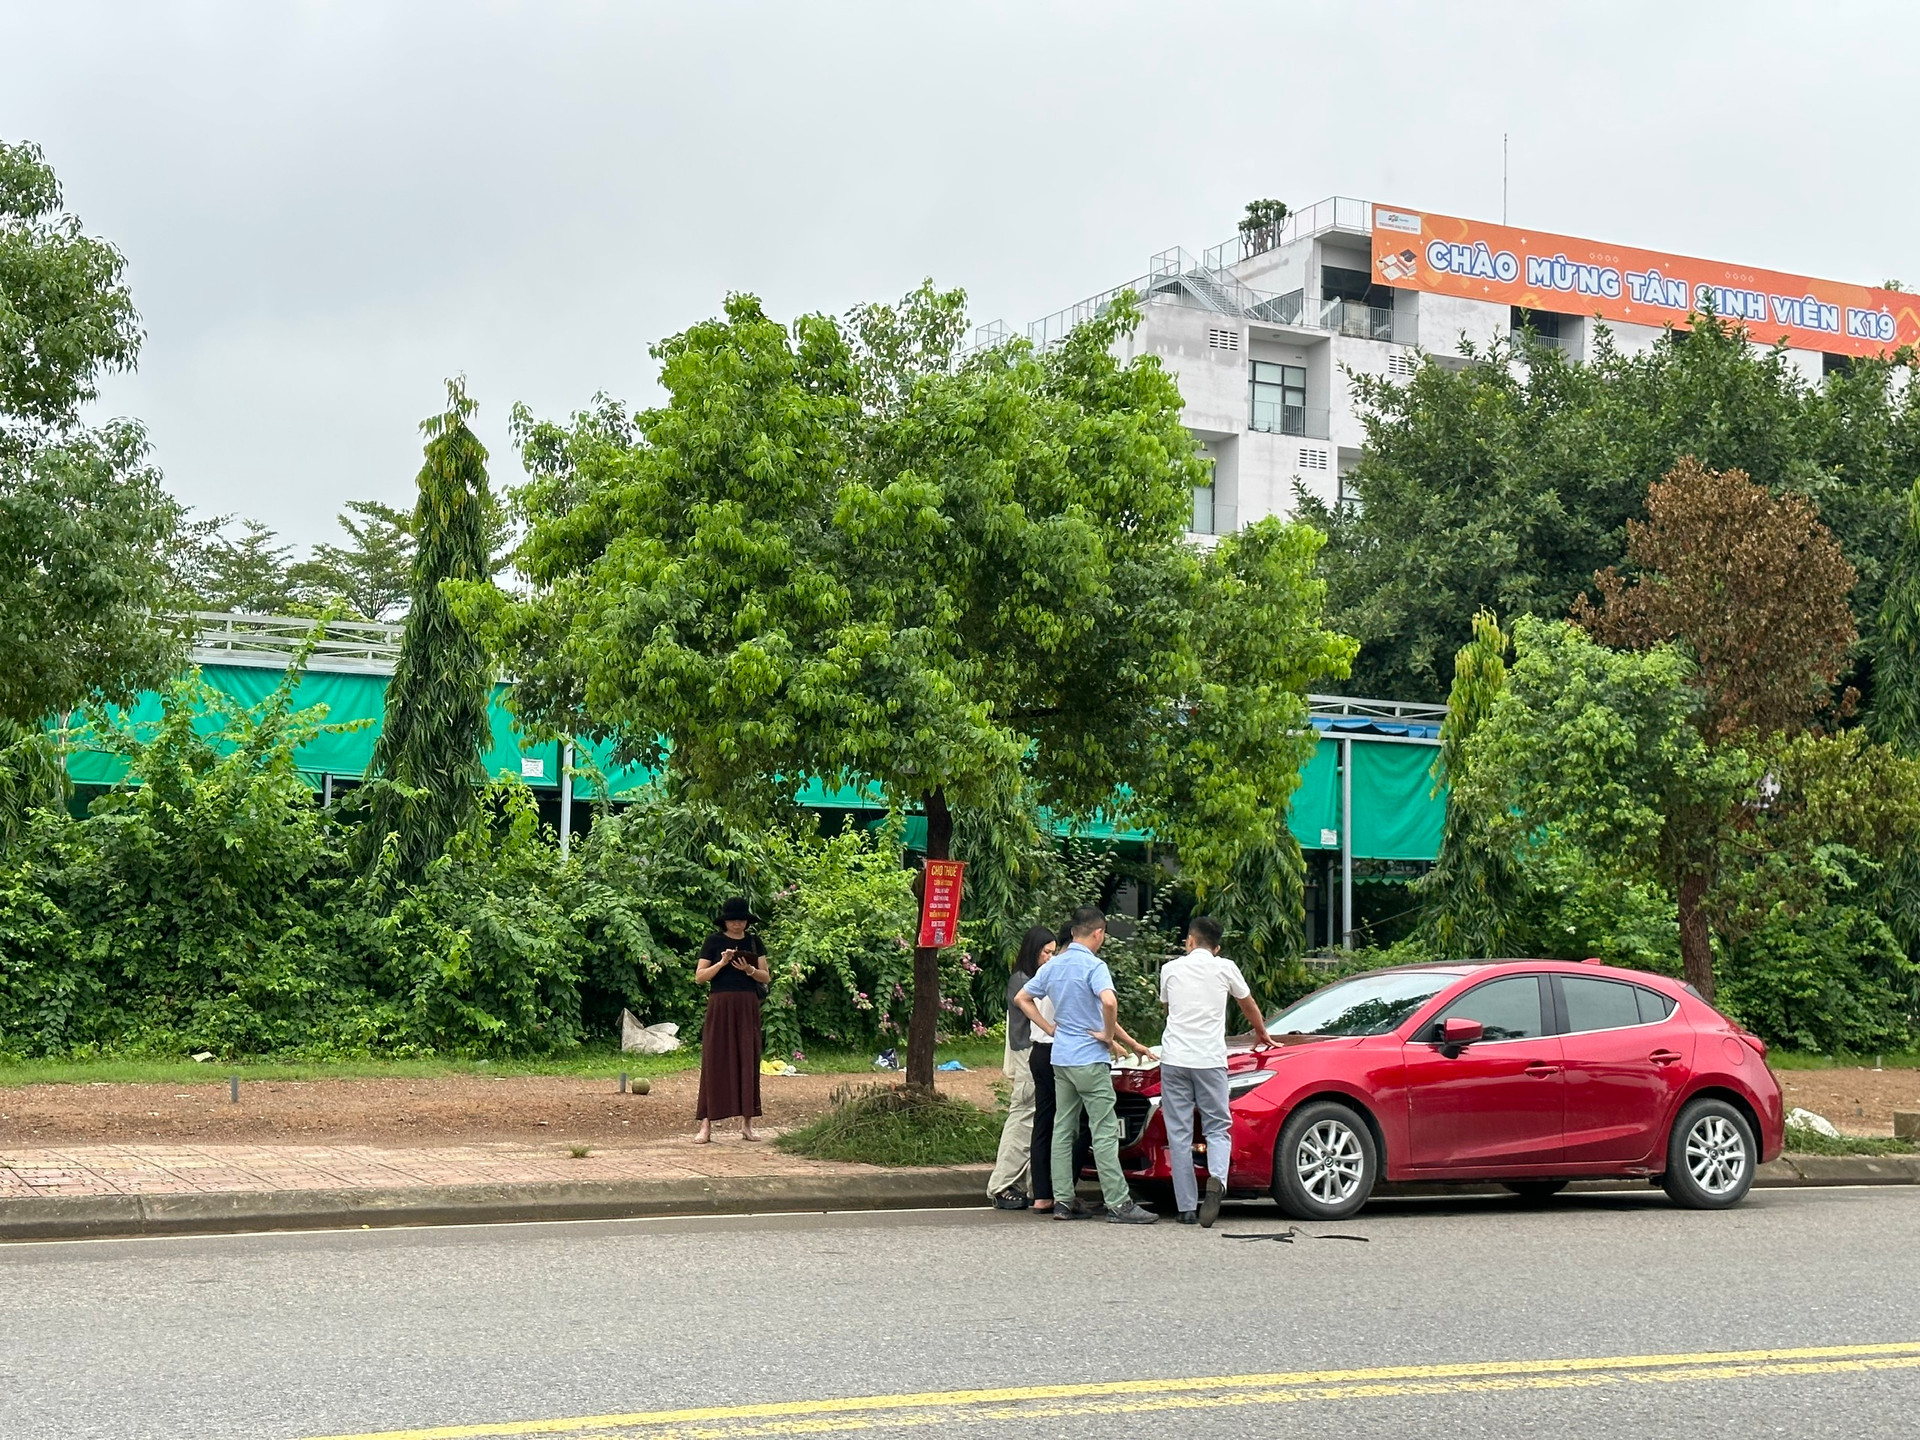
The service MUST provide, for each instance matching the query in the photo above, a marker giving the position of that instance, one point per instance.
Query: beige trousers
(1012, 1166)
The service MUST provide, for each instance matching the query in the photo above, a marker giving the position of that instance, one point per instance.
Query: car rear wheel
(1326, 1163)
(1535, 1192)
(1710, 1157)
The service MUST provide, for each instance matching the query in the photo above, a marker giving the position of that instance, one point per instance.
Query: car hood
(1143, 1077)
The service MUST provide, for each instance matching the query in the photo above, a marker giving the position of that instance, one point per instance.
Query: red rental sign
(940, 910)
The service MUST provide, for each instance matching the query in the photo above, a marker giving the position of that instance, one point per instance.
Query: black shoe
(1210, 1203)
(1135, 1214)
(1011, 1200)
(1189, 1217)
(1070, 1210)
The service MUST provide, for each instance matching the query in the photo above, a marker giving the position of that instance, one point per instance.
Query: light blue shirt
(1073, 980)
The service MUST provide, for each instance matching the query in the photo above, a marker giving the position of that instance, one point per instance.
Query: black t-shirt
(730, 978)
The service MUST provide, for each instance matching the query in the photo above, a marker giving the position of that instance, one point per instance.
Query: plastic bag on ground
(647, 1039)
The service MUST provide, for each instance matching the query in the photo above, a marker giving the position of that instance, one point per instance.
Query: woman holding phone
(734, 963)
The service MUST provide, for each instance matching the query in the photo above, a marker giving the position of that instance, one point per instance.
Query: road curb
(80, 1217)
(76, 1217)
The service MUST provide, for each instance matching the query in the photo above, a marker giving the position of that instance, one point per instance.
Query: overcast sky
(328, 207)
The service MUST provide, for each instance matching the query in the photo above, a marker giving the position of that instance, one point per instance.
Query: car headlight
(1238, 1085)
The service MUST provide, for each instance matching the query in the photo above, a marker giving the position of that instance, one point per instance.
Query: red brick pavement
(174, 1169)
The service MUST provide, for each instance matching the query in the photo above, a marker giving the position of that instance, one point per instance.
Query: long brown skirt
(730, 1056)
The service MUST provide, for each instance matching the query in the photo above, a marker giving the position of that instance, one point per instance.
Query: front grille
(1133, 1112)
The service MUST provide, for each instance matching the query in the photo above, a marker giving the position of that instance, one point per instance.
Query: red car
(1530, 1073)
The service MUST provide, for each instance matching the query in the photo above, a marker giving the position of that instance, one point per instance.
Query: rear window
(1364, 1005)
(1610, 1004)
(1599, 1004)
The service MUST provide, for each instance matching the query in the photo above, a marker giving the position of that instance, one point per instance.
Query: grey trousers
(1181, 1092)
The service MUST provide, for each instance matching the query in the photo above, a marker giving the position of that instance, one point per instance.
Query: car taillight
(1754, 1043)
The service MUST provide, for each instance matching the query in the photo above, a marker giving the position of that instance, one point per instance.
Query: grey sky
(329, 207)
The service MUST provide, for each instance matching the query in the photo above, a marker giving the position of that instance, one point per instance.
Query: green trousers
(1088, 1088)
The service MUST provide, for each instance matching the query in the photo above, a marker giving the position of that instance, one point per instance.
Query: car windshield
(1364, 1005)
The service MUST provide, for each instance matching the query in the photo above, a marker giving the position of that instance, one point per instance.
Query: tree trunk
(1696, 944)
(925, 1024)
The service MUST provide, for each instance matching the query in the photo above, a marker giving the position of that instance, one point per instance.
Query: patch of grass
(596, 1061)
(1801, 1060)
(1804, 1141)
(601, 1060)
(579, 1152)
(893, 1125)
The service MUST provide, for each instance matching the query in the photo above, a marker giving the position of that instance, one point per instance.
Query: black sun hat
(737, 908)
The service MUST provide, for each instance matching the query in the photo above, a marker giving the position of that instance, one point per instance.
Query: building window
(1223, 339)
(1544, 323)
(1402, 366)
(1313, 459)
(1203, 509)
(1279, 398)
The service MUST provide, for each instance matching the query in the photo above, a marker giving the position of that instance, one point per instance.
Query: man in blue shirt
(1086, 1034)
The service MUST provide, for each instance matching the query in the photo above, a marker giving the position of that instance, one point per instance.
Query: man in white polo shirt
(1193, 1063)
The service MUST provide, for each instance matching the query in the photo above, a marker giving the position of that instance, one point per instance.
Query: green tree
(372, 573)
(1605, 749)
(248, 573)
(1468, 898)
(66, 314)
(84, 522)
(846, 551)
(1505, 486)
(426, 766)
(1895, 716)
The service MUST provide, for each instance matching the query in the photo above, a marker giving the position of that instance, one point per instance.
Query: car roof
(1568, 967)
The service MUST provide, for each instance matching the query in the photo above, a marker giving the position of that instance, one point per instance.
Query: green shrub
(1826, 976)
(897, 1125)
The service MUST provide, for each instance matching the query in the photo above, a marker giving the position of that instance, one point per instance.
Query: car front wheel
(1710, 1157)
(1326, 1163)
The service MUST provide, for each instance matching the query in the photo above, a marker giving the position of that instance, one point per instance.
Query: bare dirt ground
(529, 1109)
(1857, 1101)
(453, 1110)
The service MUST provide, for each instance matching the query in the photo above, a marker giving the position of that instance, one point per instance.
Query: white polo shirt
(1195, 989)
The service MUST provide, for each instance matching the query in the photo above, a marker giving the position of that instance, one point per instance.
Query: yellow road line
(1026, 1402)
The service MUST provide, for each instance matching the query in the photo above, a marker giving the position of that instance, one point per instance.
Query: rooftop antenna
(1503, 177)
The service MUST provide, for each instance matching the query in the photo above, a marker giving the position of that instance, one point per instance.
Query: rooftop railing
(230, 638)
(1338, 212)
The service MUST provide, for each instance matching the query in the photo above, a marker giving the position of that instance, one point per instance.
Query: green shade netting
(1394, 815)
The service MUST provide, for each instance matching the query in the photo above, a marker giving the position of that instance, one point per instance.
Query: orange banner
(1445, 255)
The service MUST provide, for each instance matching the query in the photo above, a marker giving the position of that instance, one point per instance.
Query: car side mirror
(1456, 1034)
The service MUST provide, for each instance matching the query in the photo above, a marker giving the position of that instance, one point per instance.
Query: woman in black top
(734, 963)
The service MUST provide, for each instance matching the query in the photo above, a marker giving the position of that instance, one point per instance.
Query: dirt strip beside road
(451, 1110)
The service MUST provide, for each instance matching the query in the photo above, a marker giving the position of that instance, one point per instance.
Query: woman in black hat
(734, 963)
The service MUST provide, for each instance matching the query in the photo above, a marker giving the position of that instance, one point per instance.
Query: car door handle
(1664, 1057)
(1546, 1067)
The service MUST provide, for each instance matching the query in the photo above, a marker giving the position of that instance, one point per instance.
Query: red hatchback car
(1529, 1073)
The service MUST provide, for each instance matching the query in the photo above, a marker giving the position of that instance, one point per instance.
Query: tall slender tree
(1468, 893)
(1896, 678)
(426, 767)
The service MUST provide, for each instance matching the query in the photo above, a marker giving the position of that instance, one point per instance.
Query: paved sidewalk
(177, 1169)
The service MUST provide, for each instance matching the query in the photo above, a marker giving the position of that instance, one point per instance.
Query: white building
(1263, 330)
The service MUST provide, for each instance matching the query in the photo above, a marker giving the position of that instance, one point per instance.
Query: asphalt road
(1797, 1313)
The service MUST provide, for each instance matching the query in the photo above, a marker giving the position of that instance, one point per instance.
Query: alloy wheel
(1716, 1154)
(1330, 1162)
